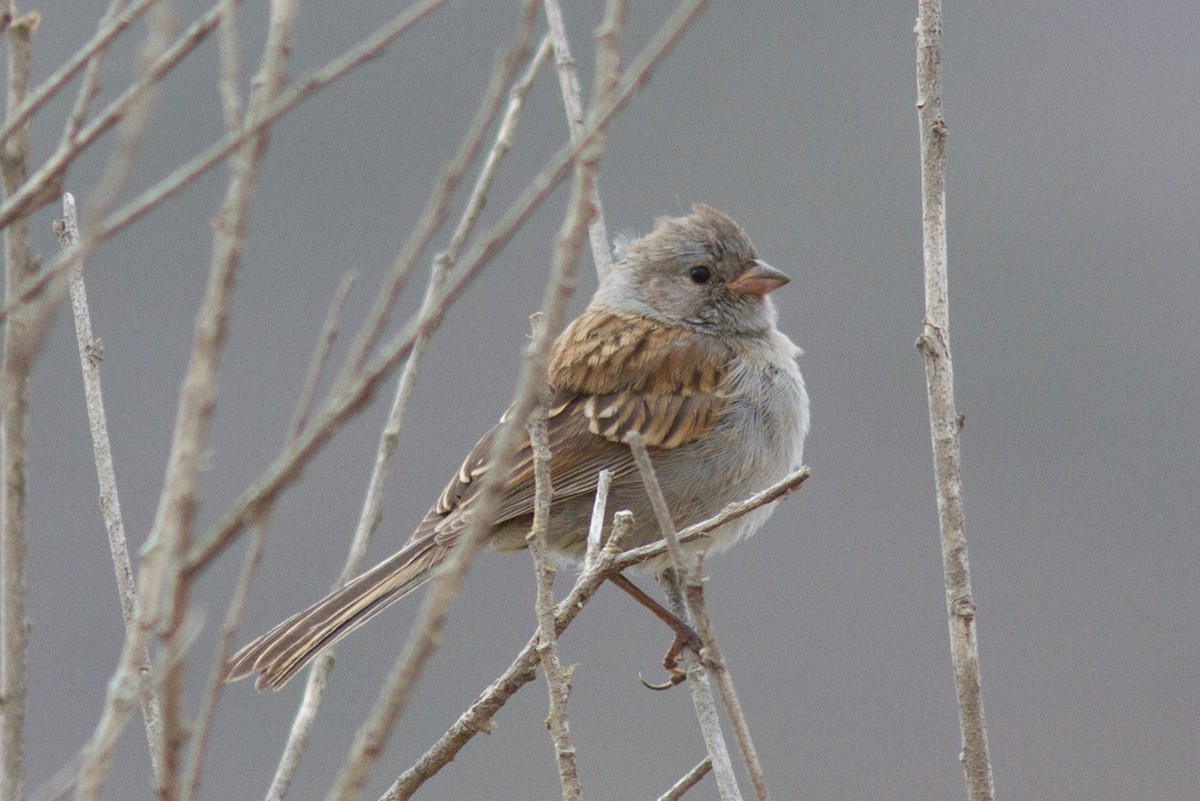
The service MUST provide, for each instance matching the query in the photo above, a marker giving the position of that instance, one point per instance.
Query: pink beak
(759, 279)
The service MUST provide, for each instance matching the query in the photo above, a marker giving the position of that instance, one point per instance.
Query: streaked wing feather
(611, 375)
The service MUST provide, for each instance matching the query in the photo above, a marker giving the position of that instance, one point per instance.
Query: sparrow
(680, 344)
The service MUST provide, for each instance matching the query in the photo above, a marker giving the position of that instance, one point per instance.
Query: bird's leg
(685, 635)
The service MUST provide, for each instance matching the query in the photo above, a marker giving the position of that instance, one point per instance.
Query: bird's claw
(677, 677)
(686, 638)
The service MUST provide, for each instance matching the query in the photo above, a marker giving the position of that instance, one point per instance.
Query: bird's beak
(759, 279)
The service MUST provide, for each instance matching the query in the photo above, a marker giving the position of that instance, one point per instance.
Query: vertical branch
(572, 94)
(558, 681)
(91, 352)
(570, 241)
(944, 422)
(14, 406)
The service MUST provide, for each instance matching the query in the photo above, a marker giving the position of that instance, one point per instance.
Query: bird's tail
(284, 650)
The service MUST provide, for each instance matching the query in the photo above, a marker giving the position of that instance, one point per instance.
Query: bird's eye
(699, 274)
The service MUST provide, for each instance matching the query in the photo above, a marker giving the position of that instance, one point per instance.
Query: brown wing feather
(610, 374)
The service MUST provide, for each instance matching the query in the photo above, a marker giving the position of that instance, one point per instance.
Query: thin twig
(320, 358)
(714, 661)
(687, 781)
(944, 424)
(19, 352)
(120, 163)
(127, 685)
(778, 490)
(566, 255)
(658, 502)
(227, 84)
(596, 527)
(702, 696)
(437, 206)
(572, 95)
(558, 681)
(608, 50)
(90, 86)
(91, 352)
(692, 602)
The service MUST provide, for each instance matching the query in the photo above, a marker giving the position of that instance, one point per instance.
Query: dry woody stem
(91, 353)
(934, 346)
(20, 348)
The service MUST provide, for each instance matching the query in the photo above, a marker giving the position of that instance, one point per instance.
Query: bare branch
(320, 357)
(437, 206)
(596, 527)
(567, 248)
(558, 683)
(687, 781)
(714, 661)
(19, 351)
(45, 184)
(698, 684)
(90, 87)
(568, 80)
(934, 345)
(702, 697)
(126, 686)
(776, 491)
(610, 561)
(227, 85)
(608, 50)
(91, 352)
(658, 501)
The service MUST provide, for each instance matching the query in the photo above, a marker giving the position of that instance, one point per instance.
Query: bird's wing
(611, 374)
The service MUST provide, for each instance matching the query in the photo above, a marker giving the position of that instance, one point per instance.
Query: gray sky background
(1074, 194)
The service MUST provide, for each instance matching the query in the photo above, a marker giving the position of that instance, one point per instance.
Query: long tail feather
(284, 650)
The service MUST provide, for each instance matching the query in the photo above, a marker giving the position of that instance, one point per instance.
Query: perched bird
(679, 343)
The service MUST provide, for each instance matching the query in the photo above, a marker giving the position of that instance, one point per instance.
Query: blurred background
(1074, 191)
